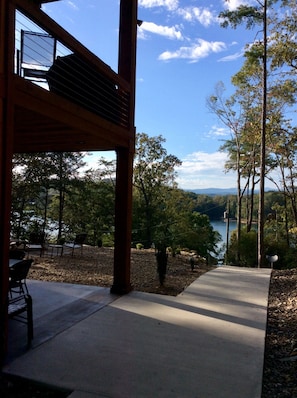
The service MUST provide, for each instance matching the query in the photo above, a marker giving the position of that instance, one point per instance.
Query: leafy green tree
(200, 235)
(213, 206)
(34, 178)
(252, 16)
(247, 247)
(265, 78)
(283, 46)
(30, 192)
(173, 216)
(154, 170)
(89, 205)
(67, 166)
(235, 114)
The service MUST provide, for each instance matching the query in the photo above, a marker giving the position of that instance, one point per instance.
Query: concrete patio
(208, 342)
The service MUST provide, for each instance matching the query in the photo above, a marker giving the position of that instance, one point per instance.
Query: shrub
(247, 249)
(107, 240)
(286, 255)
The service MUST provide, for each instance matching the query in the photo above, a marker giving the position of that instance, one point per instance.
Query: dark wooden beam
(123, 222)
(123, 200)
(6, 144)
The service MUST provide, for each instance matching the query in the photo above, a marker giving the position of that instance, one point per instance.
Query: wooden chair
(20, 309)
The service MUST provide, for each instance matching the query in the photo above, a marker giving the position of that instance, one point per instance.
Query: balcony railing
(50, 57)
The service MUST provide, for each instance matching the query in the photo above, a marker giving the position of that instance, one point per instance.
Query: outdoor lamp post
(226, 217)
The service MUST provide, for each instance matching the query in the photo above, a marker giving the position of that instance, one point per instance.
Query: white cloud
(202, 161)
(233, 4)
(170, 32)
(203, 15)
(198, 50)
(72, 5)
(205, 170)
(220, 132)
(141, 34)
(169, 4)
(232, 57)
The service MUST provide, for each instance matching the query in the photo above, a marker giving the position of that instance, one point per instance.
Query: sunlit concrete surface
(206, 343)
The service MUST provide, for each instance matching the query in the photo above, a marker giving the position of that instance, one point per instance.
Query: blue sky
(182, 52)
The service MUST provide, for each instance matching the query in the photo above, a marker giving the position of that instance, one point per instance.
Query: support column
(123, 200)
(6, 140)
(123, 222)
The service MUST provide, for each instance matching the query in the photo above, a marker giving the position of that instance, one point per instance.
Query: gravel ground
(95, 267)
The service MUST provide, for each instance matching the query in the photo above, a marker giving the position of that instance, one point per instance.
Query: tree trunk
(261, 220)
(239, 204)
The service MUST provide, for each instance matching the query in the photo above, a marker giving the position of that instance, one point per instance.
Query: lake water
(221, 227)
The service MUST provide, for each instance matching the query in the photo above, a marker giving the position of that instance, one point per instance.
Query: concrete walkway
(206, 343)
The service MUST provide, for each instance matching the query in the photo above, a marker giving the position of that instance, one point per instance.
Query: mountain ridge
(213, 191)
(218, 191)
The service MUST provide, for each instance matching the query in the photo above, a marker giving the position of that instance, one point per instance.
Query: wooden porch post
(123, 222)
(123, 200)
(6, 139)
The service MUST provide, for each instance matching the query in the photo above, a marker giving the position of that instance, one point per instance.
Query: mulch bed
(280, 368)
(95, 267)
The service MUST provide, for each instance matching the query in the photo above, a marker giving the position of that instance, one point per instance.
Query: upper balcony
(66, 98)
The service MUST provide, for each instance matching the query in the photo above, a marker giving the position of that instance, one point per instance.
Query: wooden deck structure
(38, 119)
